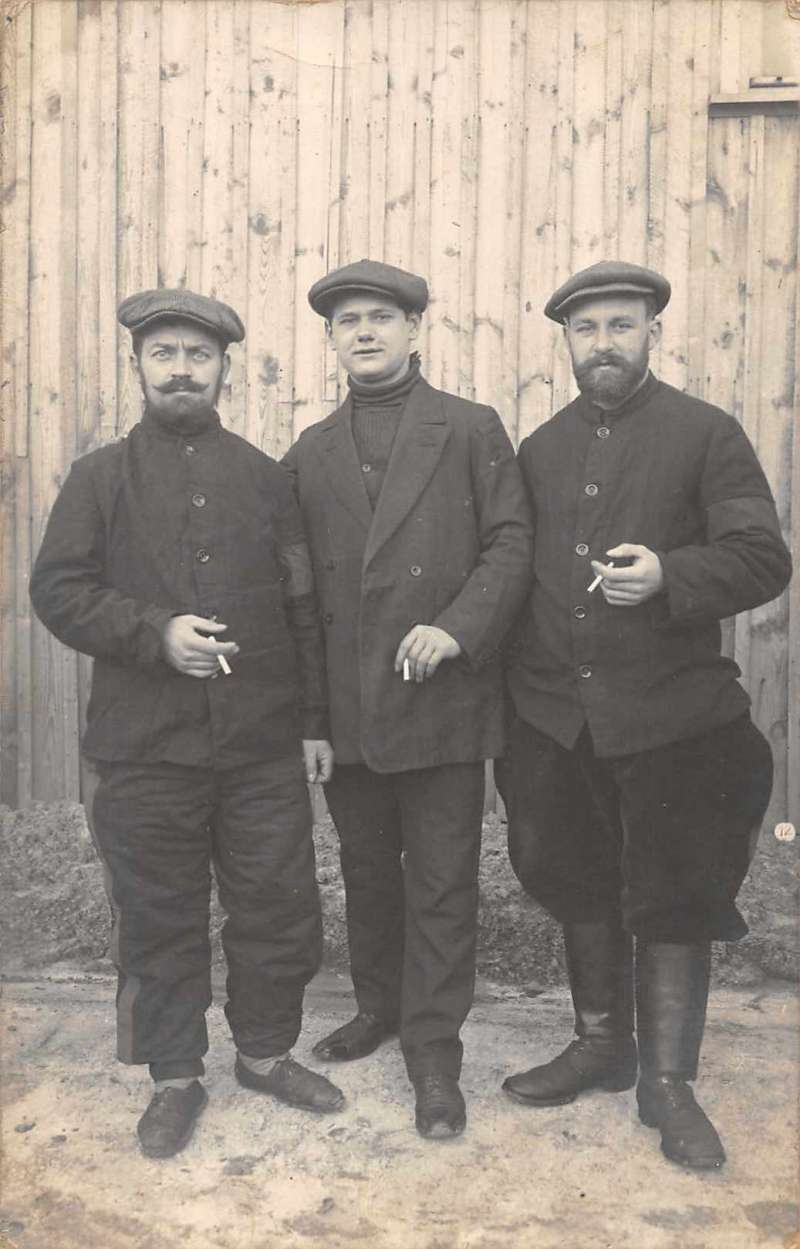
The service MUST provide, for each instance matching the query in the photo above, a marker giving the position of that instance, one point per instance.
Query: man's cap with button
(608, 277)
(371, 277)
(143, 310)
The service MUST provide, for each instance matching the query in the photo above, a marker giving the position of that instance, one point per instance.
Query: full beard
(610, 387)
(187, 413)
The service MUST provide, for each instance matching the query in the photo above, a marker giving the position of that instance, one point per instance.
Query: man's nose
(602, 339)
(181, 364)
(364, 332)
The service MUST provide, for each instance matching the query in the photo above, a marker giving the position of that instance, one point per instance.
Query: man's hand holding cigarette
(422, 650)
(636, 582)
(191, 647)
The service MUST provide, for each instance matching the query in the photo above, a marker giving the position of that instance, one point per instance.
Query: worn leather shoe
(293, 1084)
(688, 1136)
(584, 1064)
(355, 1039)
(168, 1122)
(440, 1110)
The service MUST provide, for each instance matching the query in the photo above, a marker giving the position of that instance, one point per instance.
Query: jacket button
(591, 489)
(602, 431)
(199, 500)
(328, 617)
(584, 671)
(189, 449)
(581, 549)
(579, 613)
(415, 570)
(203, 556)
(366, 468)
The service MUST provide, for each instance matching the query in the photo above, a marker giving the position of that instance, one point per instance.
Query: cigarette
(224, 665)
(406, 670)
(598, 579)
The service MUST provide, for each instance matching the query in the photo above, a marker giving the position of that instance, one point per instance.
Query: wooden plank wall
(243, 147)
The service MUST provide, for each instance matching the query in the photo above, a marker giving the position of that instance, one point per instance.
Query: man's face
(181, 368)
(372, 337)
(609, 340)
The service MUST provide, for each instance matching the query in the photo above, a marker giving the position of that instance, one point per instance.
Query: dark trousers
(663, 837)
(410, 845)
(158, 827)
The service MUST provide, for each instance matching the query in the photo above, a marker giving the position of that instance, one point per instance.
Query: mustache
(180, 383)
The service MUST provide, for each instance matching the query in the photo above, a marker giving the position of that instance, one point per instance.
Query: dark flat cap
(139, 311)
(608, 277)
(374, 277)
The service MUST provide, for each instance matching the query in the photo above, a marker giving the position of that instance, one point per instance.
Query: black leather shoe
(293, 1084)
(687, 1134)
(440, 1110)
(168, 1122)
(585, 1064)
(355, 1039)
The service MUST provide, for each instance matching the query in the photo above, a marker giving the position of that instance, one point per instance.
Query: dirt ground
(258, 1175)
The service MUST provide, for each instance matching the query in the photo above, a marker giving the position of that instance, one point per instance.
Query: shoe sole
(184, 1141)
(329, 1057)
(565, 1101)
(441, 1131)
(285, 1101)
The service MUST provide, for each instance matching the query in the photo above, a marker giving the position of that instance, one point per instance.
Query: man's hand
(318, 758)
(627, 587)
(187, 649)
(425, 647)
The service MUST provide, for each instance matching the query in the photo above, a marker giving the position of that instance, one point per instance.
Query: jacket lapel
(340, 463)
(417, 449)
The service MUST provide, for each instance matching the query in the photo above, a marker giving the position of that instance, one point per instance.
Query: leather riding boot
(603, 1055)
(671, 997)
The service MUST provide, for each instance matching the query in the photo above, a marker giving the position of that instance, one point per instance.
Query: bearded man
(637, 779)
(176, 558)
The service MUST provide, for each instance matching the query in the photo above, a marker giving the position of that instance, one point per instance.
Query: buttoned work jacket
(158, 525)
(449, 544)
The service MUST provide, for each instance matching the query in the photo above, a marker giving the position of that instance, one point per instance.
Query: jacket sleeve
(744, 561)
(300, 604)
(68, 585)
(482, 613)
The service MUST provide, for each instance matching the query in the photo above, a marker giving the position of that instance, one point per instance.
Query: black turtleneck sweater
(377, 412)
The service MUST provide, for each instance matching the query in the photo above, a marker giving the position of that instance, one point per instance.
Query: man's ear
(328, 329)
(226, 366)
(414, 319)
(134, 359)
(654, 332)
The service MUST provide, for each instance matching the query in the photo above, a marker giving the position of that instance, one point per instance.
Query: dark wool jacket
(449, 544)
(679, 476)
(161, 524)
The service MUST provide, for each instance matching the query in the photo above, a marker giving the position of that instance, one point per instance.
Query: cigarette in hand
(224, 665)
(598, 579)
(406, 670)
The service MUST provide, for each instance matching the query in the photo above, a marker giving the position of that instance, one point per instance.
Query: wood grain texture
(246, 146)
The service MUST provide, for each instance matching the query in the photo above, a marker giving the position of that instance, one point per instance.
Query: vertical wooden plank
(701, 88)
(612, 149)
(52, 362)
(13, 178)
(537, 335)
(423, 123)
(492, 242)
(730, 46)
(137, 188)
(237, 383)
(514, 222)
(378, 123)
(675, 241)
(20, 323)
(468, 52)
(658, 155)
(400, 167)
(769, 413)
(588, 134)
(107, 226)
(635, 136)
(182, 74)
(563, 386)
(793, 684)
(271, 214)
(357, 90)
(90, 209)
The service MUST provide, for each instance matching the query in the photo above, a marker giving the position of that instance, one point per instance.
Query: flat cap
(374, 277)
(139, 311)
(608, 277)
